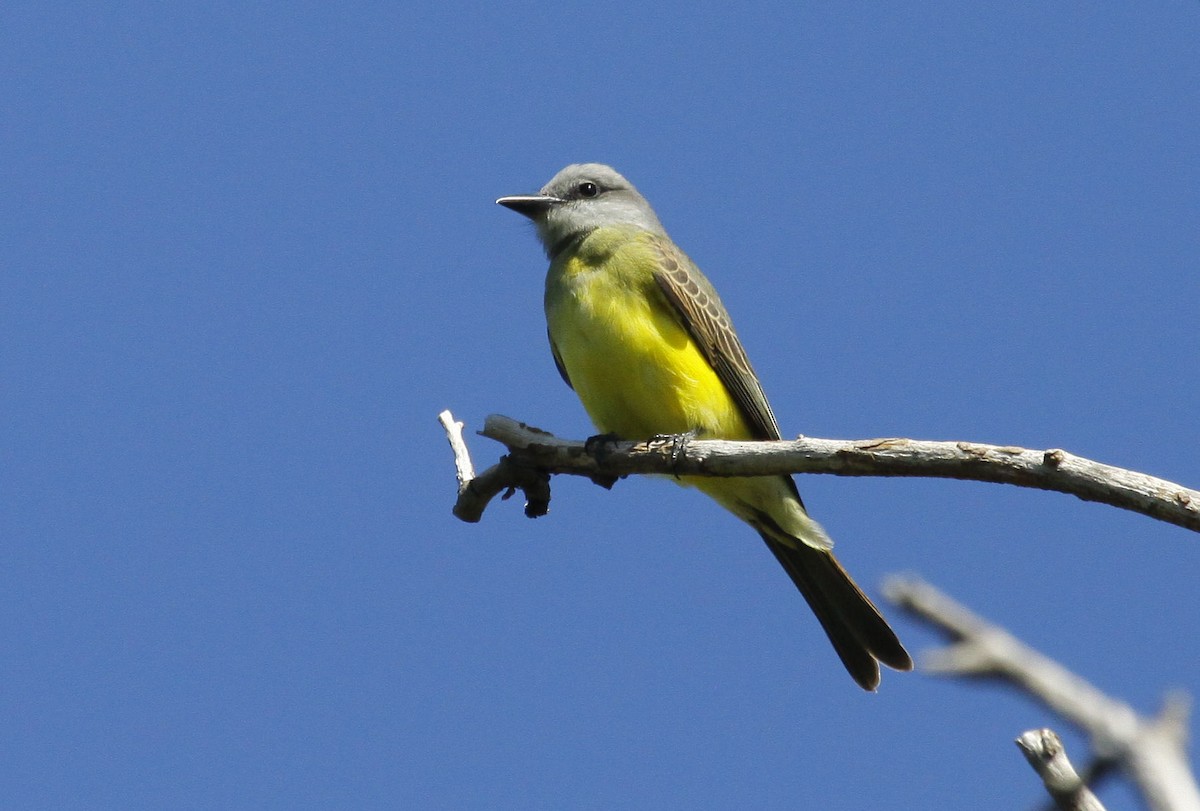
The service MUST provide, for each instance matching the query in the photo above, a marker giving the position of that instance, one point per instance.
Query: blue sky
(251, 251)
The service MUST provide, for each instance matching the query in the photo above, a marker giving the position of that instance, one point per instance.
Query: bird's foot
(679, 443)
(599, 447)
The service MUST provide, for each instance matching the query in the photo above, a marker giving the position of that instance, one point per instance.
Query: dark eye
(588, 189)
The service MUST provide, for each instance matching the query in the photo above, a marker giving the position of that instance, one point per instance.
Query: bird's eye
(588, 189)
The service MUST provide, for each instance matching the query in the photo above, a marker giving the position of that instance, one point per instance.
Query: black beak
(531, 205)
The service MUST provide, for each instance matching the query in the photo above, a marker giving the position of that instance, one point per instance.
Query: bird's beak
(531, 205)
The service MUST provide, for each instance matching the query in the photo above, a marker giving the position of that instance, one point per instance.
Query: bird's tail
(859, 633)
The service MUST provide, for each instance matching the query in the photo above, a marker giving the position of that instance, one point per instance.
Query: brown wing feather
(704, 316)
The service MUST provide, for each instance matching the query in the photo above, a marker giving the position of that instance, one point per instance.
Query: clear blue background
(250, 251)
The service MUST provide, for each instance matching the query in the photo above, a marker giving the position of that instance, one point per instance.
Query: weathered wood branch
(535, 454)
(1045, 752)
(1151, 751)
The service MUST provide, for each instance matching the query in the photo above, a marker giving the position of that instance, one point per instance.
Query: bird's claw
(679, 443)
(599, 447)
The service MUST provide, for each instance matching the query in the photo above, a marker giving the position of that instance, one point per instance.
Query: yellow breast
(632, 363)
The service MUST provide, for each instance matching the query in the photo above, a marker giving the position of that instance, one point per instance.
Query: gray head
(580, 199)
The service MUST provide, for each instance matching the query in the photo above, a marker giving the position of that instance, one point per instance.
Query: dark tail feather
(859, 633)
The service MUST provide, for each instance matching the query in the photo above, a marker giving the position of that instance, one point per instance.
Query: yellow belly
(635, 368)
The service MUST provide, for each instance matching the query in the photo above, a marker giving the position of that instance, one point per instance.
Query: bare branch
(1152, 751)
(1045, 753)
(1042, 469)
(462, 457)
(507, 476)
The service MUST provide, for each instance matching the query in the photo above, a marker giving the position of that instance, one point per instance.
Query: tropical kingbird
(641, 336)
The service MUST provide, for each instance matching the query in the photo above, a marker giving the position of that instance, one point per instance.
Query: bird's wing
(704, 316)
(562, 370)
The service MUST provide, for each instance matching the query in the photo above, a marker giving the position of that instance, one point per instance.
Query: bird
(644, 340)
